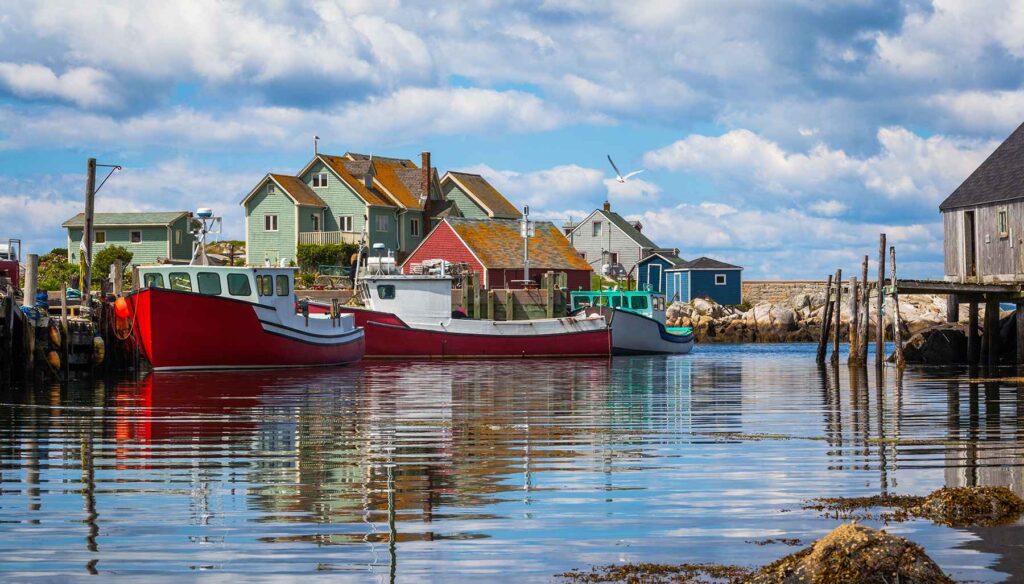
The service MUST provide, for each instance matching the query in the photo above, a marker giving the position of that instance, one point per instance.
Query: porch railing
(328, 237)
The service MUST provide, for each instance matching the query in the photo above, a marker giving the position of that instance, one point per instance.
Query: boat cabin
(411, 298)
(257, 285)
(638, 301)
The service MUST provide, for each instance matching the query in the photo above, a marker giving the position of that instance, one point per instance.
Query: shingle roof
(371, 196)
(705, 263)
(627, 228)
(1000, 178)
(405, 162)
(497, 243)
(388, 176)
(671, 258)
(126, 219)
(298, 190)
(488, 196)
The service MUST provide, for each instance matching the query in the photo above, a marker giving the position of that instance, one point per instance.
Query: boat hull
(388, 337)
(185, 330)
(636, 334)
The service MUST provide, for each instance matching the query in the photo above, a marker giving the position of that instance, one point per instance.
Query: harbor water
(491, 470)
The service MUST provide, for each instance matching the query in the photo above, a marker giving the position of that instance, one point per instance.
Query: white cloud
(631, 190)
(83, 86)
(992, 111)
(829, 208)
(545, 189)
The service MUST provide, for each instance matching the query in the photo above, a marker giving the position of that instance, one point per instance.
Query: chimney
(638, 226)
(607, 206)
(425, 180)
(369, 174)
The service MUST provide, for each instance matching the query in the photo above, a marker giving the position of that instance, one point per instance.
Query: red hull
(387, 336)
(183, 330)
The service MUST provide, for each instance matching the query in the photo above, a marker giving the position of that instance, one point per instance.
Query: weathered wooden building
(983, 219)
(605, 238)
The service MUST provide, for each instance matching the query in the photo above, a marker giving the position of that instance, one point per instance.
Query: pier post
(826, 320)
(853, 332)
(117, 277)
(880, 322)
(837, 315)
(896, 332)
(1020, 334)
(31, 279)
(991, 340)
(90, 199)
(972, 332)
(510, 313)
(135, 278)
(865, 316)
(549, 289)
(952, 308)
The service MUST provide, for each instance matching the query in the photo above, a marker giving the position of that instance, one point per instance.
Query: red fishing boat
(411, 316)
(216, 317)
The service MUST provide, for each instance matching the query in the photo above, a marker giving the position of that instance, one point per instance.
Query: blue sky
(782, 136)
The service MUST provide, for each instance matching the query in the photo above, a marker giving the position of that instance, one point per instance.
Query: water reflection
(500, 470)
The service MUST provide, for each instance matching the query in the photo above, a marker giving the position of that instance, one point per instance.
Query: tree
(105, 258)
(54, 270)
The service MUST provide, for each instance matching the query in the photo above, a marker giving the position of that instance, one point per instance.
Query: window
(386, 291)
(383, 222)
(135, 236)
(319, 180)
(597, 228)
(613, 257)
(271, 188)
(153, 281)
(414, 227)
(209, 283)
(719, 279)
(638, 303)
(265, 285)
(1001, 225)
(270, 222)
(238, 285)
(616, 301)
(345, 222)
(316, 222)
(282, 285)
(99, 236)
(180, 281)
(177, 237)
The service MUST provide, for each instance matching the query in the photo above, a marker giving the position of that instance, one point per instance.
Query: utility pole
(526, 230)
(90, 199)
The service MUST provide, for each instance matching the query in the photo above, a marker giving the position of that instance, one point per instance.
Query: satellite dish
(204, 212)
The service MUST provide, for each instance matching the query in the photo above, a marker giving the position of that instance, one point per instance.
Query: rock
(964, 506)
(783, 318)
(762, 313)
(944, 344)
(799, 301)
(703, 306)
(855, 554)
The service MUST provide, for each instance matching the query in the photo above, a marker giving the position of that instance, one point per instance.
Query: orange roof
(498, 244)
(371, 196)
(298, 190)
(388, 177)
(485, 194)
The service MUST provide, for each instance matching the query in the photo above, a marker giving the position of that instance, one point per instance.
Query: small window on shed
(238, 285)
(209, 283)
(282, 285)
(386, 291)
(1002, 224)
(719, 279)
(180, 281)
(153, 280)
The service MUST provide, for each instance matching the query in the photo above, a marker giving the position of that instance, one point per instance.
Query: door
(654, 278)
(970, 247)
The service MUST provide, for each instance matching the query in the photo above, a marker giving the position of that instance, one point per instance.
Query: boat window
(265, 285)
(238, 285)
(282, 285)
(386, 291)
(153, 280)
(659, 303)
(180, 281)
(638, 303)
(209, 283)
(616, 301)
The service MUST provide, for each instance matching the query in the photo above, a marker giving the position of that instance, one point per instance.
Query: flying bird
(618, 175)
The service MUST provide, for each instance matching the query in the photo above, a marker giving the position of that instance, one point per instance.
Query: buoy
(54, 335)
(122, 328)
(121, 308)
(53, 359)
(98, 350)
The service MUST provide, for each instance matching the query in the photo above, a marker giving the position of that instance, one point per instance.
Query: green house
(343, 199)
(151, 237)
(476, 198)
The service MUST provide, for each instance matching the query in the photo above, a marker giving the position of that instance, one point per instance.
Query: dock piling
(854, 331)
(896, 332)
(865, 315)
(837, 310)
(990, 342)
(972, 333)
(1020, 333)
(31, 279)
(826, 321)
(879, 309)
(87, 236)
(117, 277)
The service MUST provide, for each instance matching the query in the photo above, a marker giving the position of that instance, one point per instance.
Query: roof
(478, 189)
(627, 228)
(497, 243)
(1000, 178)
(126, 219)
(405, 162)
(706, 263)
(676, 261)
(298, 190)
(372, 196)
(387, 175)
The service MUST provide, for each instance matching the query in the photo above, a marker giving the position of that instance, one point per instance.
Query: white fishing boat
(637, 321)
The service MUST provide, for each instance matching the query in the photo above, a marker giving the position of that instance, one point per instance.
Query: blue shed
(705, 278)
(651, 272)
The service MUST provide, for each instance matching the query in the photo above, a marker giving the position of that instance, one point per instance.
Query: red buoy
(121, 308)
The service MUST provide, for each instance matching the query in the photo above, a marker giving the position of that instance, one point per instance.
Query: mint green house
(151, 237)
(476, 198)
(342, 199)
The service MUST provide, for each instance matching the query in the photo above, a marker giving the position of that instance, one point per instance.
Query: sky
(779, 136)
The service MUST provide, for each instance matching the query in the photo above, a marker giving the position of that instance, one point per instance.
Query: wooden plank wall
(999, 258)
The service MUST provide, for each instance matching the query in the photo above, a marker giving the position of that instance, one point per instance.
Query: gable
(477, 189)
(999, 179)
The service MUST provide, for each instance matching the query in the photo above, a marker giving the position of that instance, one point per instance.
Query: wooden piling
(853, 331)
(87, 232)
(509, 308)
(880, 322)
(135, 278)
(991, 340)
(837, 310)
(952, 308)
(896, 332)
(865, 315)
(549, 290)
(490, 305)
(1020, 336)
(826, 320)
(117, 277)
(973, 354)
(31, 279)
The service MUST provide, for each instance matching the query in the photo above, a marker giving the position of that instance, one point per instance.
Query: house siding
(272, 245)
(653, 278)
(998, 258)
(702, 285)
(409, 240)
(677, 286)
(612, 239)
(444, 243)
(389, 236)
(149, 251)
(469, 208)
(340, 199)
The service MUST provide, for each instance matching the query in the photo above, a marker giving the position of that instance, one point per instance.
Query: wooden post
(972, 332)
(865, 313)
(1020, 337)
(510, 313)
(117, 277)
(549, 289)
(135, 278)
(896, 332)
(826, 313)
(90, 198)
(880, 320)
(837, 310)
(31, 279)
(490, 305)
(853, 332)
(952, 308)
(991, 341)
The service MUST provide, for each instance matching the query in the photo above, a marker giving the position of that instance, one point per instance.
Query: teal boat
(637, 319)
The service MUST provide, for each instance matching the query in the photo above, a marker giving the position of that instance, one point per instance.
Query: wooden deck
(943, 287)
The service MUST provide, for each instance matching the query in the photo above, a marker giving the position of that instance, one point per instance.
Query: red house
(494, 248)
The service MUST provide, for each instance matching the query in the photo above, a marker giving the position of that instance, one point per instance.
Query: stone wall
(778, 291)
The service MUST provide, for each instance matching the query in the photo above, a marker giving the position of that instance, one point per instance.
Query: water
(489, 471)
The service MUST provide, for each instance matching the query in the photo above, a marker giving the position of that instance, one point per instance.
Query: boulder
(783, 318)
(855, 554)
(944, 344)
(703, 306)
(966, 506)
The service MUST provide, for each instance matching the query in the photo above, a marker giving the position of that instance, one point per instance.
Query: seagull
(618, 175)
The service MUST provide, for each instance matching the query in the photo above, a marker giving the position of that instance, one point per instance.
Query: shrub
(307, 279)
(102, 261)
(311, 255)
(744, 306)
(54, 270)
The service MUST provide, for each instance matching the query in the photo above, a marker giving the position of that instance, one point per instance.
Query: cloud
(632, 189)
(995, 111)
(828, 208)
(547, 189)
(83, 86)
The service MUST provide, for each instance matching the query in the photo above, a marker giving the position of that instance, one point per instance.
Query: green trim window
(209, 283)
(320, 180)
(99, 236)
(386, 291)
(383, 222)
(135, 236)
(282, 285)
(1001, 223)
(238, 285)
(270, 222)
(180, 281)
(345, 223)
(153, 281)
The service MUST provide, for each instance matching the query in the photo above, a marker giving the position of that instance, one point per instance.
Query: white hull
(635, 334)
